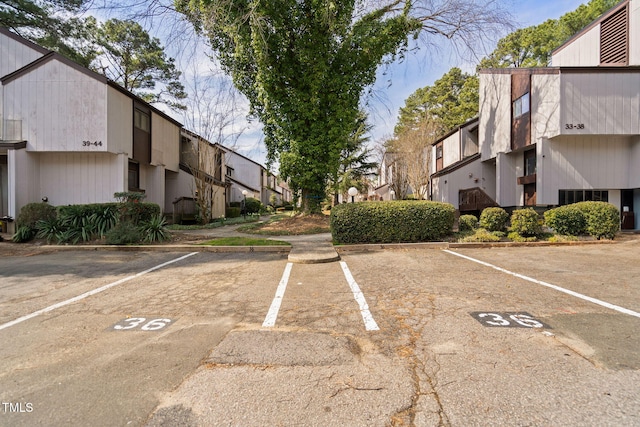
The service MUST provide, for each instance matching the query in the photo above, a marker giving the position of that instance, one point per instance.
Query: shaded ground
(296, 225)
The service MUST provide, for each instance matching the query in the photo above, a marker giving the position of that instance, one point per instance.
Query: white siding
(451, 150)
(15, 55)
(584, 51)
(60, 107)
(545, 103)
(605, 103)
(634, 33)
(508, 193)
(120, 122)
(494, 131)
(24, 175)
(634, 165)
(585, 162)
(80, 178)
(165, 143)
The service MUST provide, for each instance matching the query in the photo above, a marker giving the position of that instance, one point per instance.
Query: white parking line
(369, 323)
(549, 285)
(90, 293)
(272, 315)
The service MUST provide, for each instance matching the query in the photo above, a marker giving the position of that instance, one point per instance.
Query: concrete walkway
(305, 249)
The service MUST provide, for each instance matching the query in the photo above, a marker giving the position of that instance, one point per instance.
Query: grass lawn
(244, 241)
(289, 224)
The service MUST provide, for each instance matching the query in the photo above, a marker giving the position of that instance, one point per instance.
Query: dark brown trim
(529, 179)
(13, 145)
(563, 70)
(539, 70)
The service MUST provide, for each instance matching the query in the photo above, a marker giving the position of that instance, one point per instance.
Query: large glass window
(134, 176)
(530, 163)
(567, 197)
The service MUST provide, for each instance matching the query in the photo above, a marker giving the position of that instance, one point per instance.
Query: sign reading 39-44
(141, 324)
(508, 320)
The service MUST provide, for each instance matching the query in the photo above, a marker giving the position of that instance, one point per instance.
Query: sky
(394, 84)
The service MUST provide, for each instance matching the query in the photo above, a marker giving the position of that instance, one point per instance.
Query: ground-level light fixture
(353, 191)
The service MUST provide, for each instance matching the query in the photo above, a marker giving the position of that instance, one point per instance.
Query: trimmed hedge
(31, 213)
(566, 220)
(602, 219)
(391, 222)
(525, 222)
(598, 219)
(467, 223)
(494, 219)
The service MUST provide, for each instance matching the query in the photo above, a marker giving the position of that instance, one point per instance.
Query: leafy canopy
(303, 65)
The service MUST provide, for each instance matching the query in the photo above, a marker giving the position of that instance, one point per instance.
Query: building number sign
(92, 143)
(508, 320)
(141, 324)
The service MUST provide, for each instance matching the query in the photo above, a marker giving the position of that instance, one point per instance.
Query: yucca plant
(154, 230)
(23, 234)
(51, 229)
(104, 220)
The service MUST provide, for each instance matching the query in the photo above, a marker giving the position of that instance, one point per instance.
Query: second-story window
(141, 120)
(521, 105)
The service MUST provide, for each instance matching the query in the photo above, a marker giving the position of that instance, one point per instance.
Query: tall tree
(137, 62)
(304, 65)
(50, 24)
(451, 101)
(355, 162)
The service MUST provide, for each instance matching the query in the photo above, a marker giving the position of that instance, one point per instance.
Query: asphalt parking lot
(500, 336)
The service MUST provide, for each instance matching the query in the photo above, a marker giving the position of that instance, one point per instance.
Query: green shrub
(517, 237)
(494, 219)
(602, 219)
(387, 222)
(526, 222)
(31, 213)
(566, 220)
(51, 229)
(561, 238)
(155, 230)
(467, 223)
(253, 205)
(232, 212)
(124, 233)
(481, 235)
(24, 233)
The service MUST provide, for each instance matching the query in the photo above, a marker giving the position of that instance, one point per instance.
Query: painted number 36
(524, 320)
(142, 324)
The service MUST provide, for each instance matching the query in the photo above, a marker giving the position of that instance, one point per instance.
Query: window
(141, 120)
(134, 176)
(530, 162)
(521, 105)
(567, 197)
(439, 152)
(229, 171)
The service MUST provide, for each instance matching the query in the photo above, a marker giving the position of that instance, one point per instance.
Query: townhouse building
(555, 135)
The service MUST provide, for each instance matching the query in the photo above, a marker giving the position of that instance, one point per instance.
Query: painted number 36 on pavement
(141, 323)
(518, 320)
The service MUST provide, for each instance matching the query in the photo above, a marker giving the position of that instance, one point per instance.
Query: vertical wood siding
(78, 178)
(581, 52)
(603, 103)
(120, 122)
(495, 119)
(165, 143)
(60, 108)
(15, 55)
(545, 106)
(588, 162)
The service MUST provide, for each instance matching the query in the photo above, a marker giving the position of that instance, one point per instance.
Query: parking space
(176, 338)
